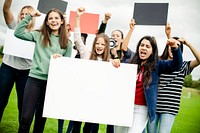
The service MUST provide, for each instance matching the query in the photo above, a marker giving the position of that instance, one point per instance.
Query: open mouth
(53, 24)
(99, 49)
(142, 53)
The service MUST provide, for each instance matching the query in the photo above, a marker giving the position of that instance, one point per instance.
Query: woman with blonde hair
(14, 70)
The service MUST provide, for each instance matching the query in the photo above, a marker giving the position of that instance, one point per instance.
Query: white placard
(18, 47)
(90, 91)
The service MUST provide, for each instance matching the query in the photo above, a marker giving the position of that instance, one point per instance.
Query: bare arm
(168, 30)
(8, 16)
(193, 63)
(128, 36)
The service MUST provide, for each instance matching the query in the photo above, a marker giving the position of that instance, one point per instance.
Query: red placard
(89, 22)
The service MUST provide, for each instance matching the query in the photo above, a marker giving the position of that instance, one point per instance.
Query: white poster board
(18, 47)
(90, 91)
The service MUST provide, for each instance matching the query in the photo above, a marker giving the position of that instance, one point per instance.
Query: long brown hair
(46, 31)
(106, 54)
(150, 64)
(31, 24)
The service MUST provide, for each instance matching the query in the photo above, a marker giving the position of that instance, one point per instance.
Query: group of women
(52, 39)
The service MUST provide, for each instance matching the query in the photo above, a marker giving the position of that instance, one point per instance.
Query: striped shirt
(170, 88)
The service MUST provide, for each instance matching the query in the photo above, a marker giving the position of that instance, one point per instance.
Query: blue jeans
(9, 76)
(140, 118)
(33, 101)
(161, 124)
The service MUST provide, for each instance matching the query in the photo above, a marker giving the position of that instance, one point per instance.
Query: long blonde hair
(106, 54)
(31, 24)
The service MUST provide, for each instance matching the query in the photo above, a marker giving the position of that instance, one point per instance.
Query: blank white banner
(18, 47)
(90, 91)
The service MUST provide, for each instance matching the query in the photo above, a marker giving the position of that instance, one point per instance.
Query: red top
(139, 92)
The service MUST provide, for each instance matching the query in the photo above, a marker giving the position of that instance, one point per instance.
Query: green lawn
(1, 56)
(187, 121)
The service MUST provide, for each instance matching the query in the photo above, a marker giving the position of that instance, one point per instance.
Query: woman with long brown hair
(50, 39)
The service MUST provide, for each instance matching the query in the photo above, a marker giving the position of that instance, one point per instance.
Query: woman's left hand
(173, 43)
(116, 63)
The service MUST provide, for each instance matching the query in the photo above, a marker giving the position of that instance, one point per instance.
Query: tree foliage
(188, 82)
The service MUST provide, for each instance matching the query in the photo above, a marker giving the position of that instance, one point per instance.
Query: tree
(188, 81)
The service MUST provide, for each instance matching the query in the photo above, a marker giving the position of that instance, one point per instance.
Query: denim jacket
(162, 66)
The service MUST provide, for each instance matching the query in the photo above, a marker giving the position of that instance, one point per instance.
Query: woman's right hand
(132, 24)
(173, 43)
(115, 62)
(168, 30)
(35, 13)
(80, 11)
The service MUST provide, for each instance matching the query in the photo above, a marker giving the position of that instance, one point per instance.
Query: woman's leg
(166, 123)
(76, 127)
(87, 127)
(110, 129)
(7, 80)
(39, 120)
(21, 79)
(60, 125)
(95, 128)
(120, 129)
(140, 118)
(70, 126)
(32, 92)
(152, 127)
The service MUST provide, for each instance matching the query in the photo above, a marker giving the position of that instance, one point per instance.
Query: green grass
(1, 56)
(187, 121)
(9, 123)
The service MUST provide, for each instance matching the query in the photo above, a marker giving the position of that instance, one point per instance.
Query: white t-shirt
(13, 61)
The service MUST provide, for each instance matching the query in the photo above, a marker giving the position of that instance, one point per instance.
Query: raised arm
(177, 55)
(77, 33)
(20, 31)
(8, 16)
(177, 60)
(128, 36)
(83, 50)
(168, 30)
(103, 25)
(196, 62)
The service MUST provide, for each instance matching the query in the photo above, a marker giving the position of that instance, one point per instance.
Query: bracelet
(116, 57)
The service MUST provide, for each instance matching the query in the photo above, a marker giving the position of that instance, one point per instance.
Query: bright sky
(183, 16)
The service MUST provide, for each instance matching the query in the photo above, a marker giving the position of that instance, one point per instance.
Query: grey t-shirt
(13, 61)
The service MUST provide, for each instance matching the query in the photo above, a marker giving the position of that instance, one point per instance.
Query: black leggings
(33, 101)
(90, 127)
